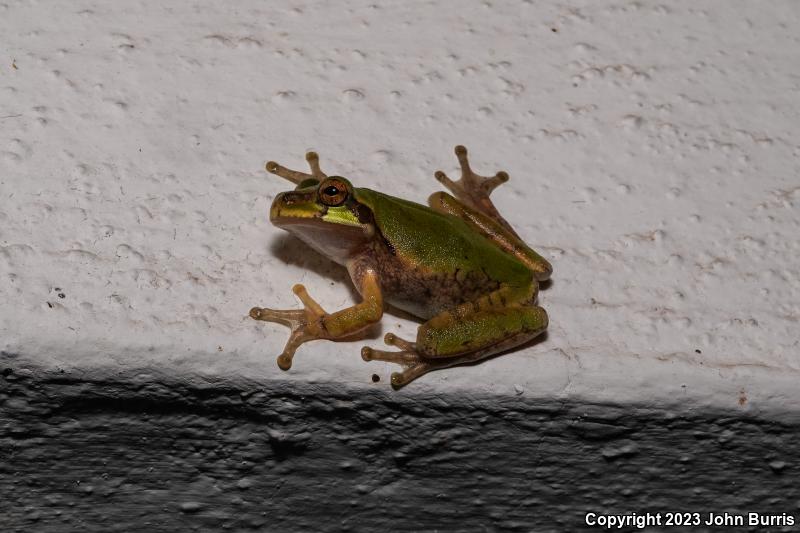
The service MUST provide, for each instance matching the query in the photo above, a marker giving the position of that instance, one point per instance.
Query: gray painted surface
(143, 451)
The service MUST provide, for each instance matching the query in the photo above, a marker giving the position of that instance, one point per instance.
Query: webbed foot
(474, 189)
(296, 176)
(408, 357)
(305, 324)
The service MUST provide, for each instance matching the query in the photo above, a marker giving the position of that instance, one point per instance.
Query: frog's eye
(333, 192)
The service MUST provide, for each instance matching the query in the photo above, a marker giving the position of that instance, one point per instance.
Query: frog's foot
(305, 324)
(298, 177)
(474, 189)
(408, 357)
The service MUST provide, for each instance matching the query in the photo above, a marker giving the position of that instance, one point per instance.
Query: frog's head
(324, 214)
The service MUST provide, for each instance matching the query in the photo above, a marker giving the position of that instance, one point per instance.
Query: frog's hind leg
(415, 365)
(474, 190)
(469, 333)
(296, 176)
(493, 231)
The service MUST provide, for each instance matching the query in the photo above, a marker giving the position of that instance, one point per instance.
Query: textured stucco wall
(654, 159)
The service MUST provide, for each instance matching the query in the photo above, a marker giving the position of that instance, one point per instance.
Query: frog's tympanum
(455, 263)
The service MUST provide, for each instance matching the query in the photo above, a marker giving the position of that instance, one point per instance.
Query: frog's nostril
(288, 198)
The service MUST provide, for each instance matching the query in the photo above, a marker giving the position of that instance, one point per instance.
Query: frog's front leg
(296, 176)
(312, 322)
(472, 331)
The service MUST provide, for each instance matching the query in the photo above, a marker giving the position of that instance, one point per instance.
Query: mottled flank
(424, 292)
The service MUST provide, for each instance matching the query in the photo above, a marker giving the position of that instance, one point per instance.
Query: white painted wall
(653, 153)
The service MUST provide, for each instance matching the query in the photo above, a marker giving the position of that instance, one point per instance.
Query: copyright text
(678, 519)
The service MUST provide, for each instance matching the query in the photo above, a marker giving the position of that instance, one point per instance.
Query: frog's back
(429, 261)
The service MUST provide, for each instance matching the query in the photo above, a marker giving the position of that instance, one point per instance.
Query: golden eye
(333, 192)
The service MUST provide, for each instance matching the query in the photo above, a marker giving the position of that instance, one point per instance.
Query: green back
(439, 241)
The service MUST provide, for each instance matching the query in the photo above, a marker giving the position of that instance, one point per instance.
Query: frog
(454, 263)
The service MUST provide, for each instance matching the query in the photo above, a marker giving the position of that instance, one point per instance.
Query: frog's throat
(334, 241)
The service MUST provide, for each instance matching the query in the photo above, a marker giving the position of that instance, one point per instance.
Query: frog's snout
(293, 205)
(275, 208)
(284, 203)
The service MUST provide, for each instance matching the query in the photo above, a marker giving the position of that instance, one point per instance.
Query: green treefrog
(456, 263)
